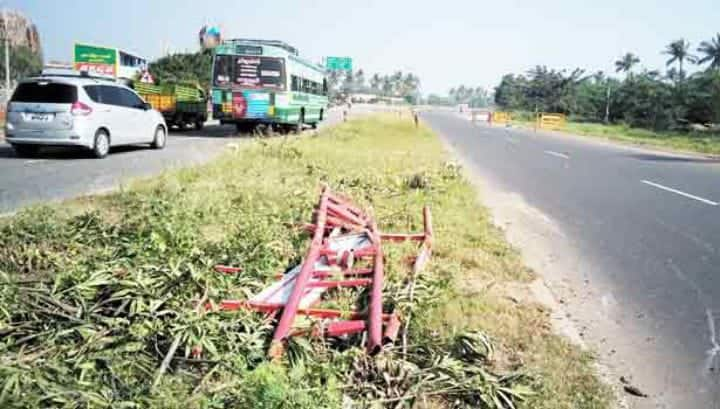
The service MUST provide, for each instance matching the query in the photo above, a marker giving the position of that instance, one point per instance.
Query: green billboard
(95, 55)
(94, 59)
(338, 63)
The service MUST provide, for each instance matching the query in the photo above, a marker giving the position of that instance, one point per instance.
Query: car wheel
(26, 151)
(199, 124)
(101, 147)
(160, 138)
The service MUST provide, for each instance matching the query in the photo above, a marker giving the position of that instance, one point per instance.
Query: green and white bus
(266, 82)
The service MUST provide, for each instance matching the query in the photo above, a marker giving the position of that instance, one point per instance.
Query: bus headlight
(271, 110)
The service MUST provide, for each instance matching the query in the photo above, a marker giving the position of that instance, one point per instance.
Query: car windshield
(45, 92)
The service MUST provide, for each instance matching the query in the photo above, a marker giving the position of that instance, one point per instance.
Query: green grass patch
(95, 291)
(699, 142)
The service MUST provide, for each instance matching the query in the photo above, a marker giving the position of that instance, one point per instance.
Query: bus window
(295, 83)
(307, 86)
(324, 86)
(223, 70)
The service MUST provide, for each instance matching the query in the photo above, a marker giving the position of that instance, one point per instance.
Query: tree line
(641, 97)
(341, 84)
(475, 97)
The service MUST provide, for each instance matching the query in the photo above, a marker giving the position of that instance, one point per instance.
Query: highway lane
(58, 173)
(647, 226)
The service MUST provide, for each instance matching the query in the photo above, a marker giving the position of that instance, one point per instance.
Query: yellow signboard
(501, 117)
(546, 120)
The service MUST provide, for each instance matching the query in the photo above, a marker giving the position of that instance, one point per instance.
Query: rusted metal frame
(345, 273)
(341, 212)
(420, 261)
(347, 202)
(374, 342)
(358, 282)
(400, 237)
(290, 311)
(426, 246)
(359, 253)
(227, 269)
(339, 328)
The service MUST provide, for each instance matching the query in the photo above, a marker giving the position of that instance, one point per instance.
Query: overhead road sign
(338, 63)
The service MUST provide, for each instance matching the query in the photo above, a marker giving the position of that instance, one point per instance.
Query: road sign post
(338, 63)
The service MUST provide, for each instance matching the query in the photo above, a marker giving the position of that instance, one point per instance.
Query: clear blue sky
(473, 42)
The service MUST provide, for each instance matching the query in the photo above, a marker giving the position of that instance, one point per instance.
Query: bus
(107, 61)
(266, 82)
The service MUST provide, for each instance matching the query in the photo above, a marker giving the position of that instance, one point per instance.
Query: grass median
(95, 292)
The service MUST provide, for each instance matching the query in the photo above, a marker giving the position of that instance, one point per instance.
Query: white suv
(80, 111)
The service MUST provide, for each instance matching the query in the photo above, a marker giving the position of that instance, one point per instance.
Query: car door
(140, 128)
(118, 115)
(102, 111)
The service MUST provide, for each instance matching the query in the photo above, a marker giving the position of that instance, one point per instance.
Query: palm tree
(396, 79)
(679, 51)
(376, 82)
(626, 62)
(387, 86)
(410, 84)
(461, 94)
(360, 81)
(711, 51)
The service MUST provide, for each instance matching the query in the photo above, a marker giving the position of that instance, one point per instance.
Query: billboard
(95, 60)
(338, 63)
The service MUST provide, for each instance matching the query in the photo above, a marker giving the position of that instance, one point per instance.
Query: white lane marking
(30, 162)
(681, 193)
(558, 154)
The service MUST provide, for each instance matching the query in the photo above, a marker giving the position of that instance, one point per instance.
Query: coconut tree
(711, 52)
(376, 82)
(679, 51)
(359, 80)
(626, 63)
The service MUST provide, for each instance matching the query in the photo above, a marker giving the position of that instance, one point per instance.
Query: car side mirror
(146, 106)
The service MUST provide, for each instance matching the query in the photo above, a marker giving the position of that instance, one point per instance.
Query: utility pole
(7, 56)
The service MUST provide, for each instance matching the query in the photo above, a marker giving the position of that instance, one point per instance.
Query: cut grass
(240, 210)
(698, 142)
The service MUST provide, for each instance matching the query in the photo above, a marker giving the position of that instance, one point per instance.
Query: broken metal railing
(342, 236)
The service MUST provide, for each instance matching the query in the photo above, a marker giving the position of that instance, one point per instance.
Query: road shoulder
(547, 251)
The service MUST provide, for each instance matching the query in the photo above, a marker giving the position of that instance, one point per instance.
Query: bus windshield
(249, 72)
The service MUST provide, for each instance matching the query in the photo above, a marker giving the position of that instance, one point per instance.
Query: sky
(446, 43)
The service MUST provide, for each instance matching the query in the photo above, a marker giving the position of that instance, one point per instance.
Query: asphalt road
(647, 225)
(58, 173)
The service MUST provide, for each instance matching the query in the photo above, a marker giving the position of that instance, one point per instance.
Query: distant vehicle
(181, 105)
(108, 61)
(80, 111)
(266, 82)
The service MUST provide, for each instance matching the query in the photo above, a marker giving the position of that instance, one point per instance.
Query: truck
(182, 105)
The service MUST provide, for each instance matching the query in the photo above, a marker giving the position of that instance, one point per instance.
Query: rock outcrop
(21, 31)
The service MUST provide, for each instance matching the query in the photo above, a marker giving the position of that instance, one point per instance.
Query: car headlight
(9, 126)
